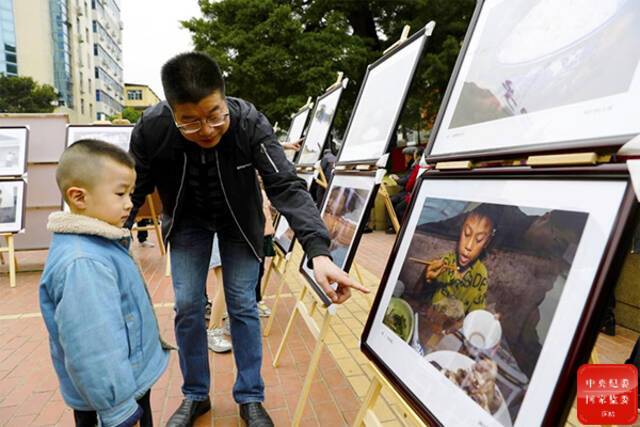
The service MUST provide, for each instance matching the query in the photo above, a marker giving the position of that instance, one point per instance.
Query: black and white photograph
(118, 135)
(12, 199)
(13, 150)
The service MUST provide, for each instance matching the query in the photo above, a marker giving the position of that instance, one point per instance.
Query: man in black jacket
(201, 150)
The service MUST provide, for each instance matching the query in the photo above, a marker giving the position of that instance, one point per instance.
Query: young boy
(461, 274)
(103, 334)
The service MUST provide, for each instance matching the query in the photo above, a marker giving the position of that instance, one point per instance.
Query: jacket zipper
(224, 193)
(264, 150)
(173, 216)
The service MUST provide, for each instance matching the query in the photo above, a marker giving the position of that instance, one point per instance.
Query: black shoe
(609, 326)
(390, 230)
(188, 411)
(367, 230)
(254, 415)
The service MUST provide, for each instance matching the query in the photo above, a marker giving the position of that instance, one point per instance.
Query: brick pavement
(29, 393)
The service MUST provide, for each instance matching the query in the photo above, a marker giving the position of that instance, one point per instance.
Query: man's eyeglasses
(193, 127)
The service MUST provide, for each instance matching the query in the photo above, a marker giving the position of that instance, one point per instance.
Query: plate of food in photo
(476, 378)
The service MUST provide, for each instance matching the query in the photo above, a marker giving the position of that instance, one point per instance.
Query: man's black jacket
(158, 148)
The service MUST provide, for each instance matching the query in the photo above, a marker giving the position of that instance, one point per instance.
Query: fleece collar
(70, 223)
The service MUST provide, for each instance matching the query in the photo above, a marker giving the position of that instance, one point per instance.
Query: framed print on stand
(119, 135)
(542, 77)
(497, 278)
(284, 237)
(296, 129)
(380, 101)
(13, 150)
(320, 125)
(344, 211)
(12, 205)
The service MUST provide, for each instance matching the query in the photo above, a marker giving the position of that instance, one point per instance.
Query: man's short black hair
(190, 77)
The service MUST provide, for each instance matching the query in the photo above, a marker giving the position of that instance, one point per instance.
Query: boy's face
(109, 199)
(474, 237)
(212, 115)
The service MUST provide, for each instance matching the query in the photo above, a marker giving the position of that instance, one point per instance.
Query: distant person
(143, 235)
(401, 200)
(103, 333)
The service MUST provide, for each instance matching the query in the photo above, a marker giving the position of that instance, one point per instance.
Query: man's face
(211, 109)
(474, 237)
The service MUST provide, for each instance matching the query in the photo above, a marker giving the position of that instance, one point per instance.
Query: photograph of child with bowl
(478, 290)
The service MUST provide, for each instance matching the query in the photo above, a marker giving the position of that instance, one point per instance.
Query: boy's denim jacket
(103, 334)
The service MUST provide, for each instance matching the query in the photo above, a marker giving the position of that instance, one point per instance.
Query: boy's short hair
(190, 77)
(81, 163)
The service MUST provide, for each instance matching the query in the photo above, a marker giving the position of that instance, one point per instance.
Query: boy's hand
(434, 269)
(326, 273)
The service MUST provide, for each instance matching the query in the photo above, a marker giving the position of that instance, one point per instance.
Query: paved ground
(29, 390)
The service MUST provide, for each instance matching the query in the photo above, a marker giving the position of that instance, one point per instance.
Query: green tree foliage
(127, 113)
(276, 53)
(24, 95)
(131, 114)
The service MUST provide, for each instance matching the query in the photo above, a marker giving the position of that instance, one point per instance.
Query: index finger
(346, 280)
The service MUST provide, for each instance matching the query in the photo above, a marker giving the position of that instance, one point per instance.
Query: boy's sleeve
(94, 337)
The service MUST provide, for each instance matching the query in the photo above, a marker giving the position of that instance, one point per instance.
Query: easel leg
(274, 306)
(358, 274)
(167, 267)
(156, 224)
(267, 276)
(12, 262)
(276, 359)
(369, 401)
(389, 205)
(311, 372)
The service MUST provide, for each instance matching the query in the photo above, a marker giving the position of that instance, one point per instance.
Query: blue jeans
(190, 254)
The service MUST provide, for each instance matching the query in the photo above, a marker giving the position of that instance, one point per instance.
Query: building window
(82, 106)
(134, 95)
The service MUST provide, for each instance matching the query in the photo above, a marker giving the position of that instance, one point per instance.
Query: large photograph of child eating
(478, 290)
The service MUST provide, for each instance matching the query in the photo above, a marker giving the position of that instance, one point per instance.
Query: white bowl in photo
(482, 329)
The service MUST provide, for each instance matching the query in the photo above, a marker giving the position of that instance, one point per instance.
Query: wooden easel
(319, 333)
(320, 177)
(382, 191)
(153, 216)
(10, 249)
(279, 264)
(367, 417)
